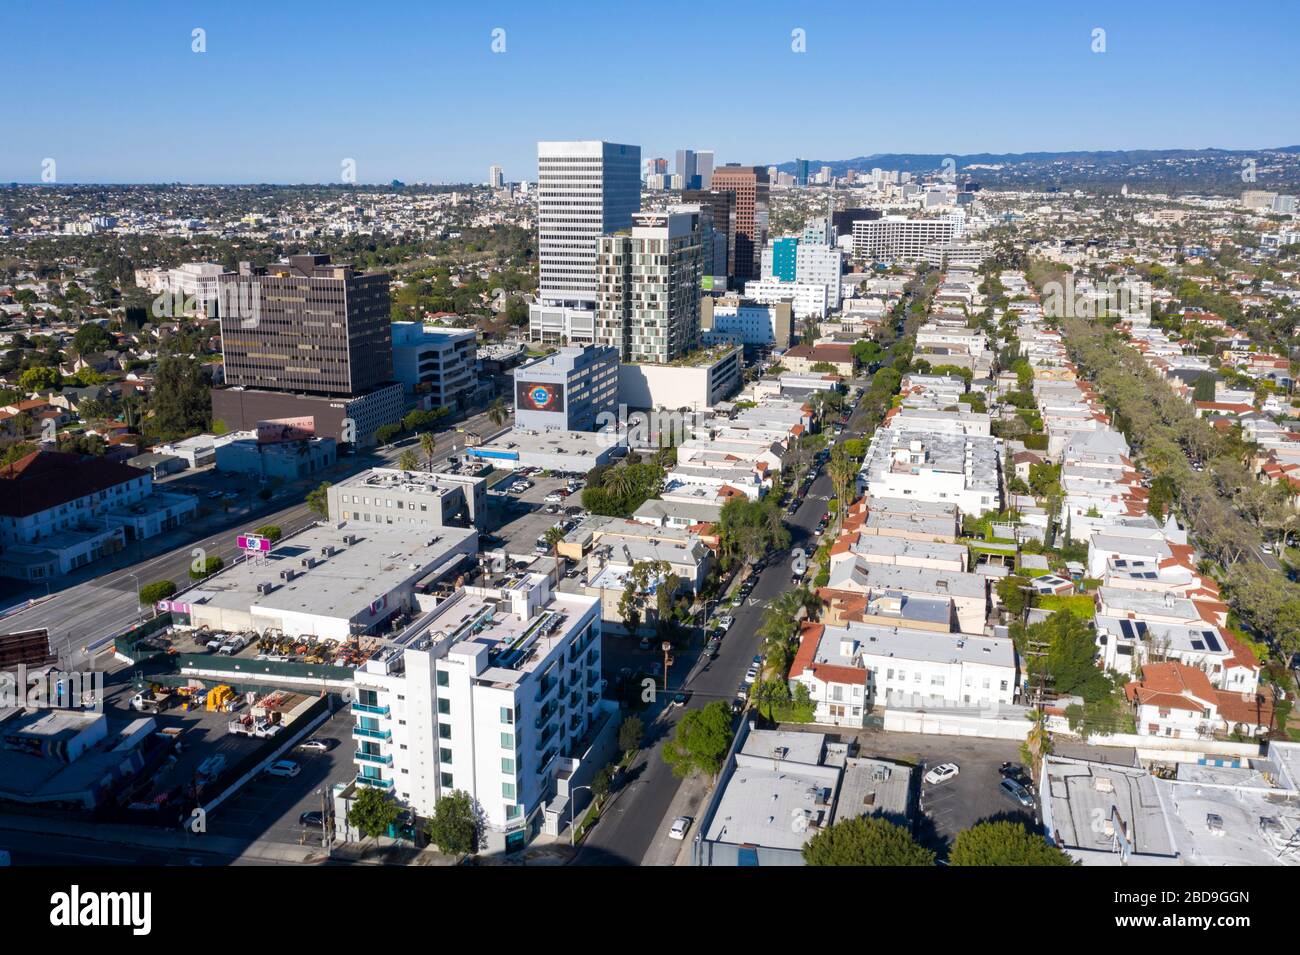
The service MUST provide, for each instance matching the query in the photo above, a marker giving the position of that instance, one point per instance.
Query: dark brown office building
(307, 326)
(723, 207)
(750, 185)
(306, 337)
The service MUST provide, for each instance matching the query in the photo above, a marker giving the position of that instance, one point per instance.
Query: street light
(572, 804)
(136, 578)
(324, 821)
(667, 648)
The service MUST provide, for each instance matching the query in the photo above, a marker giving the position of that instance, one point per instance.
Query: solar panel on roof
(1140, 628)
(1213, 641)
(1126, 628)
(1197, 645)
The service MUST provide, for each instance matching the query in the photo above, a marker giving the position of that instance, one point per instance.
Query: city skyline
(126, 89)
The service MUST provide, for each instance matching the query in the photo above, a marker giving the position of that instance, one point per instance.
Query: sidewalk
(148, 837)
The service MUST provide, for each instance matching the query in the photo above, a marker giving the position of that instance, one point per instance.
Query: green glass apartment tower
(785, 254)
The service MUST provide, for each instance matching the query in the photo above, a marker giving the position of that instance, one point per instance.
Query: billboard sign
(539, 396)
(254, 543)
(279, 430)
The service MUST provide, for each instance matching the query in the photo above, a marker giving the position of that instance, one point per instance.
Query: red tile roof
(46, 479)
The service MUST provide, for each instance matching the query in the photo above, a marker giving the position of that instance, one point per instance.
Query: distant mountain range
(1175, 170)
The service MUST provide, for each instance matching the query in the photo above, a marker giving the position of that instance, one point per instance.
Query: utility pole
(667, 647)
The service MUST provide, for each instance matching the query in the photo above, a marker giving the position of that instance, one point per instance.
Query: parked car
(313, 819)
(644, 643)
(678, 829)
(555, 497)
(284, 768)
(315, 745)
(212, 766)
(1017, 772)
(233, 645)
(1013, 790)
(679, 699)
(725, 622)
(942, 773)
(751, 675)
(711, 648)
(758, 659)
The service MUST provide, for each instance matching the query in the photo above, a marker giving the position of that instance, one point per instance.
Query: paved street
(634, 829)
(88, 614)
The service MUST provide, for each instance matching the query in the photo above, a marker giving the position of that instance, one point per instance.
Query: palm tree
(553, 536)
(844, 472)
(618, 482)
(408, 461)
(497, 412)
(428, 445)
(1039, 741)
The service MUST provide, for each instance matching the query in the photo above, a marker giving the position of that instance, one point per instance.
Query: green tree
(701, 741)
(40, 378)
(318, 500)
(181, 401)
(151, 593)
(554, 537)
(408, 460)
(457, 826)
(497, 412)
(1004, 843)
(863, 841)
(600, 784)
(1014, 595)
(429, 448)
(1038, 743)
(373, 812)
(271, 532)
(207, 568)
(91, 338)
(630, 733)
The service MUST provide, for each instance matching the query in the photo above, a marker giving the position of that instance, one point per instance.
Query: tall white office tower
(704, 168)
(585, 189)
(496, 177)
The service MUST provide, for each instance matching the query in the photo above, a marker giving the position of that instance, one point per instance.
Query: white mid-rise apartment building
(807, 300)
(196, 281)
(494, 692)
(897, 237)
(436, 362)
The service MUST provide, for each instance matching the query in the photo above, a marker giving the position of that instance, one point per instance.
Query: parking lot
(268, 807)
(974, 794)
(519, 519)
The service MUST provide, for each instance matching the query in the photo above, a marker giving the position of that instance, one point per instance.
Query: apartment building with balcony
(436, 363)
(495, 691)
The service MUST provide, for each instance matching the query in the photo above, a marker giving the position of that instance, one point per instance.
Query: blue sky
(412, 90)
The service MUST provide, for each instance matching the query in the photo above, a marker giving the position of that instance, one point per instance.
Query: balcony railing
(381, 758)
(364, 733)
(374, 781)
(371, 710)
